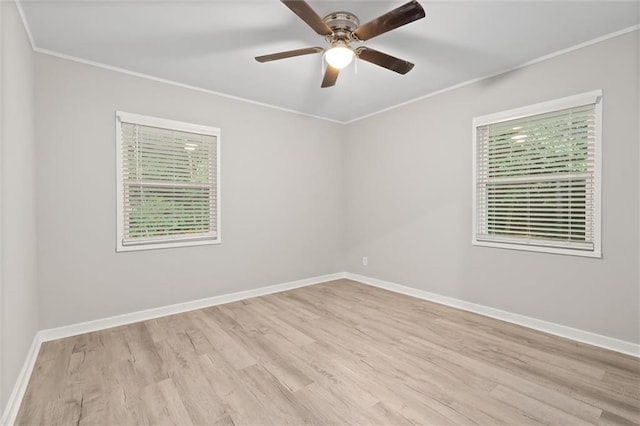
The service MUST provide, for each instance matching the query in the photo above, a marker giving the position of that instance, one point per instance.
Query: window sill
(540, 249)
(166, 244)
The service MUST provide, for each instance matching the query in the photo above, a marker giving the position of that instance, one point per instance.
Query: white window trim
(594, 96)
(168, 124)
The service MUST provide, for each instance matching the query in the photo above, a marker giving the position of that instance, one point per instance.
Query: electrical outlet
(365, 261)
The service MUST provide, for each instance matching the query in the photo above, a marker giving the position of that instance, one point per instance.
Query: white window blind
(168, 183)
(537, 177)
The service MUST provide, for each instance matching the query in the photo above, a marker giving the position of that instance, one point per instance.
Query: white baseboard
(536, 324)
(15, 399)
(118, 320)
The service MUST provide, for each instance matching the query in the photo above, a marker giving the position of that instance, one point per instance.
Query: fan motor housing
(342, 24)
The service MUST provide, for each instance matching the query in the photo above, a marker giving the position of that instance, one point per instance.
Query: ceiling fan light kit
(340, 29)
(340, 55)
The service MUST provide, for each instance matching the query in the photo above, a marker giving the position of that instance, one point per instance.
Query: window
(168, 183)
(536, 177)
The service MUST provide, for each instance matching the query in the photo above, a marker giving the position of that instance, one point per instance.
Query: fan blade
(382, 59)
(289, 54)
(308, 15)
(330, 76)
(398, 17)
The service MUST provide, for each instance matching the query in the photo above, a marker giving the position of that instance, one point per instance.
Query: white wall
(18, 286)
(408, 176)
(282, 192)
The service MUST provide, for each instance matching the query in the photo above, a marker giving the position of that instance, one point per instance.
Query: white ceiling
(211, 44)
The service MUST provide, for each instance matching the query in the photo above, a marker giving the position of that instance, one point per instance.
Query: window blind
(169, 189)
(535, 179)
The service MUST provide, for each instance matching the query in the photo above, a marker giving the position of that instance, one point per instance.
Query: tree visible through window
(168, 192)
(536, 181)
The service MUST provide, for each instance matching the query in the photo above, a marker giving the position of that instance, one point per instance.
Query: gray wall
(282, 197)
(18, 286)
(408, 177)
(301, 197)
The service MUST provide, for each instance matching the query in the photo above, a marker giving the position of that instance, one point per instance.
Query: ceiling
(211, 44)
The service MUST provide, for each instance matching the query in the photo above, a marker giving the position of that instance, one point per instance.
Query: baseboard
(594, 339)
(118, 320)
(15, 399)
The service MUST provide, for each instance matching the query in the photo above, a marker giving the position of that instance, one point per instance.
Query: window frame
(168, 242)
(592, 97)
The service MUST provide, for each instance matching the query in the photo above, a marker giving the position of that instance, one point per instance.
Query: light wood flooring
(333, 353)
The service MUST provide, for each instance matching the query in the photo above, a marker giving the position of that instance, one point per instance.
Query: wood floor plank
(333, 353)
(533, 408)
(289, 376)
(162, 404)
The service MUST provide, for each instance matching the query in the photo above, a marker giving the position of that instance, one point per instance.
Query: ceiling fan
(341, 29)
